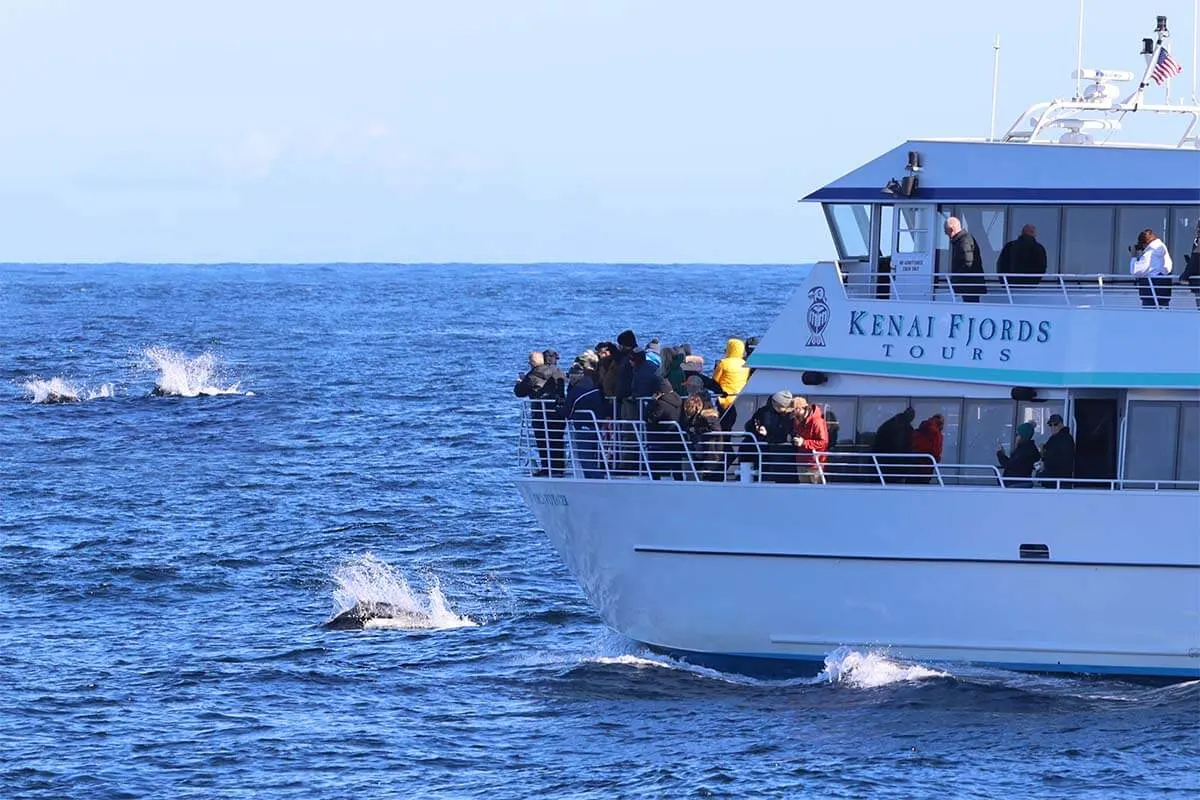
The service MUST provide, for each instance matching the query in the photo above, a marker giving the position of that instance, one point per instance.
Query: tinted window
(1151, 439)
(1087, 246)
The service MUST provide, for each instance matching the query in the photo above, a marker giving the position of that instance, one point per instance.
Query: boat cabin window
(973, 428)
(1087, 246)
(1079, 240)
(1185, 228)
(850, 224)
(1162, 441)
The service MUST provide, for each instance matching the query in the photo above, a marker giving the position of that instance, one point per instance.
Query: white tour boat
(1100, 574)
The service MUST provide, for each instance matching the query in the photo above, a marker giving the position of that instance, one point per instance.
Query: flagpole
(1195, 36)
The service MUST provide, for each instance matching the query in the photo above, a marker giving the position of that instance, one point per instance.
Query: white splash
(180, 376)
(368, 579)
(60, 390)
(55, 390)
(872, 669)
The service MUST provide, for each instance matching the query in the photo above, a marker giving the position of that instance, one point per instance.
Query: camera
(1136, 250)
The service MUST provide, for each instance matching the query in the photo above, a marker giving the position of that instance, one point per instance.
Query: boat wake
(370, 593)
(181, 376)
(845, 667)
(872, 669)
(60, 390)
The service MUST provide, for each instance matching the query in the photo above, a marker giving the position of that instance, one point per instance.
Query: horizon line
(407, 263)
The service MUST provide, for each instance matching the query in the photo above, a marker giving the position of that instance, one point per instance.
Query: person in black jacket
(894, 436)
(543, 385)
(771, 425)
(1023, 259)
(664, 440)
(1191, 268)
(966, 265)
(583, 409)
(1024, 456)
(1058, 455)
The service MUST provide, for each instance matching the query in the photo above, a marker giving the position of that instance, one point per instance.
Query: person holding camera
(1150, 264)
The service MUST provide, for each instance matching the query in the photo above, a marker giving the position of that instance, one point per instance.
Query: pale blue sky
(527, 130)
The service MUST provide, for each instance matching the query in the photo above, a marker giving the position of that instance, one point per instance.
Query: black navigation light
(1162, 24)
(914, 161)
(1023, 393)
(813, 378)
(1147, 47)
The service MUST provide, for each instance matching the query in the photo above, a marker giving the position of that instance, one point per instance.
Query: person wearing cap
(1058, 455)
(693, 365)
(811, 438)
(772, 426)
(1019, 465)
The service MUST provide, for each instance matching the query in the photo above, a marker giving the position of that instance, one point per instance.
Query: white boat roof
(976, 171)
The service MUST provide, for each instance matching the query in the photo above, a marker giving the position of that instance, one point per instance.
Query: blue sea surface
(334, 433)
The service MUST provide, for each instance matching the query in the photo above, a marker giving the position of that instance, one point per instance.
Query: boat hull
(767, 571)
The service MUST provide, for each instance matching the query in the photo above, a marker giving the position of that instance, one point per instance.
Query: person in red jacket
(811, 437)
(927, 439)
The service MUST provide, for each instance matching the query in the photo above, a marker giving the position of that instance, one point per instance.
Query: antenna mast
(995, 83)
(1079, 56)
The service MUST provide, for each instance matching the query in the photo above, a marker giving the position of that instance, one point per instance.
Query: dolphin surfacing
(372, 614)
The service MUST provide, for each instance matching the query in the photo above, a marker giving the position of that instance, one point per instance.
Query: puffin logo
(818, 317)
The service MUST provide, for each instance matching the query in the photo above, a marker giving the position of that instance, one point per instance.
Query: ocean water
(246, 450)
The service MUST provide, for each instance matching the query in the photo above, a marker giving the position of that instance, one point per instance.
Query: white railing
(1078, 291)
(590, 447)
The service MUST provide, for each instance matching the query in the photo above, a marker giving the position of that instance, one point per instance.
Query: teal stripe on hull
(1118, 380)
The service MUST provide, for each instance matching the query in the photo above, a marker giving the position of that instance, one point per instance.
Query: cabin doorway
(1096, 427)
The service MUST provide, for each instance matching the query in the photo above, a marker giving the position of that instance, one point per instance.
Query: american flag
(1165, 67)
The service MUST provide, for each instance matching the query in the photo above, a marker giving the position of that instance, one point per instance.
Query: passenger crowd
(1053, 465)
(691, 414)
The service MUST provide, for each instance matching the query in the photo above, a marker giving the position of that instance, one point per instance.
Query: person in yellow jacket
(731, 374)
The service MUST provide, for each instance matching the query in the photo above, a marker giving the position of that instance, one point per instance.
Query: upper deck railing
(1069, 291)
(600, 449)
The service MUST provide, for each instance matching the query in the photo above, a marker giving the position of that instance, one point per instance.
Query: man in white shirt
(1151, 265)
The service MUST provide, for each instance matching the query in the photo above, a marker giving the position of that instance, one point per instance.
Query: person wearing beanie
(664, 445)
(644, 378)
(1025, 455)
(772, 426)
(627, 340)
